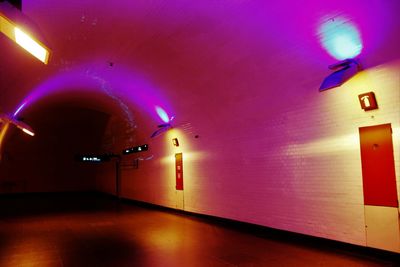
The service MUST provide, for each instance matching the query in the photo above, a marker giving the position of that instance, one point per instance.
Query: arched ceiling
(188, 55)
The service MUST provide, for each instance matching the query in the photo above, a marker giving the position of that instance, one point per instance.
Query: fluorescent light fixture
(9, 16)
(23, 126)
(19, 124)
(28, 132)
(30, 45)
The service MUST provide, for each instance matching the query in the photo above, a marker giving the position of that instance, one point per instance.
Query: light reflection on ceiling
(122, 86)
(340, 38)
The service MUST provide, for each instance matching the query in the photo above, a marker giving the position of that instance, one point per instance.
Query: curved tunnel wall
(299, 170)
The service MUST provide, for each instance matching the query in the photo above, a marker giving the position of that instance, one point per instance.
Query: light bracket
(344, 70)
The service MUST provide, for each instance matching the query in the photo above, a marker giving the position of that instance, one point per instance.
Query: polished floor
(91, 230)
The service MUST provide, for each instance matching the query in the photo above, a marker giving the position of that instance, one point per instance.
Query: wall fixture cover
(368, 101)
(4, 118)
(343, 71)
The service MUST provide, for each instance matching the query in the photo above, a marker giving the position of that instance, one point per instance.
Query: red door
(379, 179)
(179, 171)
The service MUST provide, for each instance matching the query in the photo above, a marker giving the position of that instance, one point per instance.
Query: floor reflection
(90, 230)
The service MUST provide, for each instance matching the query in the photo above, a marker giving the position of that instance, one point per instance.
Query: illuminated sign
(92, 158)
(368, 101)
(135, 149)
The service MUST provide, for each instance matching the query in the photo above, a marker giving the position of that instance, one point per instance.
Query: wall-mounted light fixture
(161, 129)
(343, 71)
(14, 24)
(340, 37)
(175, 142)
(19, 124)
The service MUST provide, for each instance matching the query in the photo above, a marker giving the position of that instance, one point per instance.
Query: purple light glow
(124, 87)
(374, 21)
(19, 109)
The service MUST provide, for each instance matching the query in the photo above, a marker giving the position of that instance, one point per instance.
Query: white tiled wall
(296, 168)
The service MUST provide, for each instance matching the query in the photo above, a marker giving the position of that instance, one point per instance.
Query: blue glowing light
(340, 38)
(162, 114)
(19, 109)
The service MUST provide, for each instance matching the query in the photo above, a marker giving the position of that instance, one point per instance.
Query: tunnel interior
(64, 127)
(236, 83)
